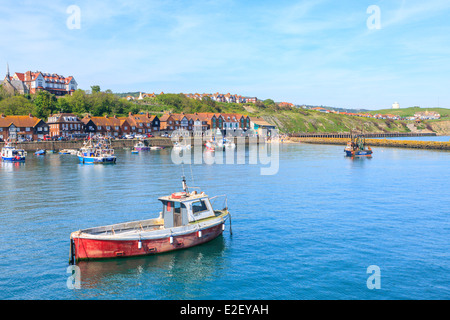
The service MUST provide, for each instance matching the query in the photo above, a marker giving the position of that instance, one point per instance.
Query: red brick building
(22, 128)
(65, 125)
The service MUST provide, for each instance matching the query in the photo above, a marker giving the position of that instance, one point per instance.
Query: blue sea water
(308, 232)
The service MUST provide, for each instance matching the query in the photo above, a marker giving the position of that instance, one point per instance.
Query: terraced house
(66, 125)
(105, 126)
(140, 123)
(22, 128)
(200, 122)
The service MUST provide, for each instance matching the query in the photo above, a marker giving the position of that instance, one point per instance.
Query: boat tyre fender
(178, 195)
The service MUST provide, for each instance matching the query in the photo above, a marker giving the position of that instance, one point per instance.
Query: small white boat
(11, 154)
(140, 146)
(68, 151)
(180, 146)
(229, 144)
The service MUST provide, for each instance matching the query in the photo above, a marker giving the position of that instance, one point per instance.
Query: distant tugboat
(187, 219)
(11, 154)
(357, 147)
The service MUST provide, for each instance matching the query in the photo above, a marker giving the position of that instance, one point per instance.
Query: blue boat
(357, 147)
(11, 154)
(40, 152)
(97, 152)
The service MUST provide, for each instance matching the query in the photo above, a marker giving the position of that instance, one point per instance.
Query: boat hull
(88, 249)
(97, 160)
(361, 153)
(14, 159)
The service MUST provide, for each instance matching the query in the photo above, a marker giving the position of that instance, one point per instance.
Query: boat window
(176, 207)
(199, 206)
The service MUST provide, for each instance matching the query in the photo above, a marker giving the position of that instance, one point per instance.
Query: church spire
(7, 72)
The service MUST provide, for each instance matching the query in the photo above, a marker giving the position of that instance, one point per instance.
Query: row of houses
(225, 122)
(427, 115)
(68, 125)
(218, 97)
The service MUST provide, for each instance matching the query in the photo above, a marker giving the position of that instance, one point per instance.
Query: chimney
(2, 115)
(130, 114)
(30, 115)
(106, 116)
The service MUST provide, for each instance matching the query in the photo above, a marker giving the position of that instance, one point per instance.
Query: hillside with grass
(287, 119)
(409, 112)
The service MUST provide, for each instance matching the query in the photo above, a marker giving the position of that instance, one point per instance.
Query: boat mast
(185, 188)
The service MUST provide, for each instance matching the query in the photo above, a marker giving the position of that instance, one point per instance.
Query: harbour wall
(367, 135)
(431, 145)
(116, 144)
(60, 145)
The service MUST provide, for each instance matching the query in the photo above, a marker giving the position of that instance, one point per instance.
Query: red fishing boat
(187, 219)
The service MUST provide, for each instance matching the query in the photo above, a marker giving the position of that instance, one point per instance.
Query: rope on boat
(231, 231)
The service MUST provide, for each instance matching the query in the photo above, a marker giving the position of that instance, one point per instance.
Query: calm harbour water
(308, 232)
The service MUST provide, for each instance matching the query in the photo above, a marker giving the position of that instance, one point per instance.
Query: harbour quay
(412, 144)
(115, 143)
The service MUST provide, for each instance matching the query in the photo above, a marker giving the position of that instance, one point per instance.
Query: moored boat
(68, 151)
(210, 146)
(97, 152)
(11, 154)
(228, 144)
(357, 147)
(187, 219)
(140, 146)
(40, 152)
(178, 146)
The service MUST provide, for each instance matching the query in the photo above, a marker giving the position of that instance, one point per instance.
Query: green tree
(44, 104)
(95, 88)
(16, 105)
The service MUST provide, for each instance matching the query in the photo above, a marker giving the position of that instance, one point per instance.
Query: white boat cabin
(180, 209)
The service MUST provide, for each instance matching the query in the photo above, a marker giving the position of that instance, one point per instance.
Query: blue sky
(317, 52)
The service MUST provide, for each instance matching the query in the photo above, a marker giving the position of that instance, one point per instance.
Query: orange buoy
(178, 195)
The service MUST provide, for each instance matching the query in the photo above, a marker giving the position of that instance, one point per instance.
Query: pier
(367, 135)
(426, 145)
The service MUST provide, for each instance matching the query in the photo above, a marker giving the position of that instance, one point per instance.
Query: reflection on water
(187, 266)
